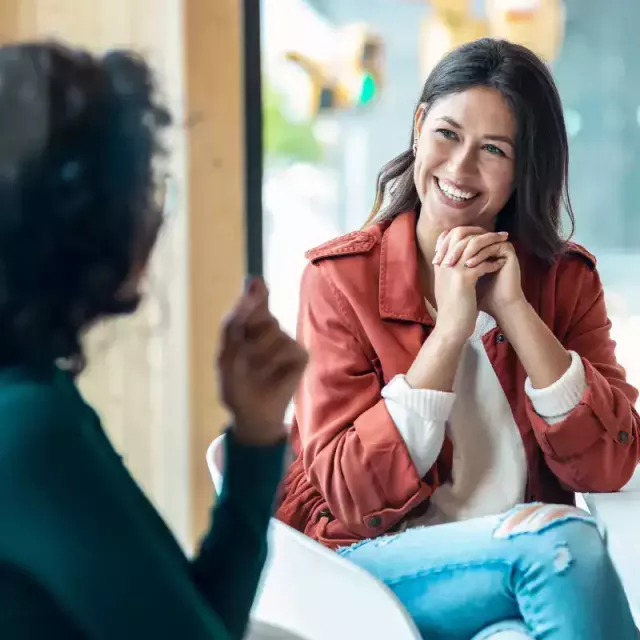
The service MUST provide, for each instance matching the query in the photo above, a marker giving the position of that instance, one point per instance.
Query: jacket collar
(400, 295)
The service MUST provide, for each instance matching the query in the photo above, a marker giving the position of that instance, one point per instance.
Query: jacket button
(375, 522)
(623, 437)
(500, 338)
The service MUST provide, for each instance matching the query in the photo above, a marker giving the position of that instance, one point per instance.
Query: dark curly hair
(79, 140)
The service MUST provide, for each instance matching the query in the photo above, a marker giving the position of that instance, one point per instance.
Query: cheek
(428, 159)
(432, 155)
(499, 181)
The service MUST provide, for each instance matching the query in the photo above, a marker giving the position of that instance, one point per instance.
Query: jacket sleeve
(352, 451)
(597, 445)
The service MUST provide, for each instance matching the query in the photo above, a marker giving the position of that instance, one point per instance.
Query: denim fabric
(541, 568)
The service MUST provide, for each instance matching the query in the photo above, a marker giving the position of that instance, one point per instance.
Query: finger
(255, 312)
(283, 354)
(455, 251)
(489, 266)
(442, 246)
(253, 296)
(452, 238)
(258, 322)
(488, 253)
(266, 346)
(234, 325)
(288, 367)
(228, 344)
(485, 245)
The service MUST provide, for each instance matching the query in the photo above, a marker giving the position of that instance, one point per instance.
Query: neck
(427, 239)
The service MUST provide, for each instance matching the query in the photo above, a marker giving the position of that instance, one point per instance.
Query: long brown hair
(533, 214)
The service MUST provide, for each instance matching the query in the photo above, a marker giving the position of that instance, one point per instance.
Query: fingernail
(504, 234)
(469, 263)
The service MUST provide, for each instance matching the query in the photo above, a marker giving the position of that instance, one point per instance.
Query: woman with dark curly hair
(83, 554)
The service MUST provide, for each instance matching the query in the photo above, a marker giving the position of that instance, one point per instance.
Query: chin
(447, 218)
(450, 220)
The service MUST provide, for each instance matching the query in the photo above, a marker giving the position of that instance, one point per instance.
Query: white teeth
(454, 193)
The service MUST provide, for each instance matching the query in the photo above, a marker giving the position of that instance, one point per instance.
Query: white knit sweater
(489, 472)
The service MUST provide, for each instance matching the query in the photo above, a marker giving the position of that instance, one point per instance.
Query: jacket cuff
(592, 419)
(394, 470)
(563, 396)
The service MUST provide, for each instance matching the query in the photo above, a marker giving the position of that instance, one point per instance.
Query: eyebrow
(492, 136)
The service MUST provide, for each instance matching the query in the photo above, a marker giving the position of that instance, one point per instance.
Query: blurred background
(340, 81)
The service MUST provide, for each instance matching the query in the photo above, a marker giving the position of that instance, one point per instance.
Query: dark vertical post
(253, 137)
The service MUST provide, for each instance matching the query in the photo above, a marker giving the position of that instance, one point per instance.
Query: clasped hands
(474, 269)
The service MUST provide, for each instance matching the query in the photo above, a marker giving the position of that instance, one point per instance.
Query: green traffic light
(368, 90)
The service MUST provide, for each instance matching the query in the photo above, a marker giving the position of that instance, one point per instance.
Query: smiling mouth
(453, 193)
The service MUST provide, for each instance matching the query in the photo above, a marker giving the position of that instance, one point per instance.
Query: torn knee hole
(562, 558)
(516, 516)
(537, 518)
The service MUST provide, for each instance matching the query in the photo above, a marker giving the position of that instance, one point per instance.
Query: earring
(415, 147)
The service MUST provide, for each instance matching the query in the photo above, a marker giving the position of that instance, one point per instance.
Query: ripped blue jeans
(540, 569)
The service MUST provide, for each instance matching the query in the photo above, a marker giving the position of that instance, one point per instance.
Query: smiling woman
(502, 106)
(465, 158)
(462, 366)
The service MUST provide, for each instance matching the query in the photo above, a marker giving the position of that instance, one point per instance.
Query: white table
(619, 514)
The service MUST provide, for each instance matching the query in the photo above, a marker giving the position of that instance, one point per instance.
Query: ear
(418, 121)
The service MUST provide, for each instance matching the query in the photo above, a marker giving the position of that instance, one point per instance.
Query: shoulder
(351, 244)
(345, 265)
(36, 412)
(342, 275)
(574, 251)
(576, 272)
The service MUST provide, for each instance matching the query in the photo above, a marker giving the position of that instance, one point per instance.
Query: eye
(493, 150)
(447, 133)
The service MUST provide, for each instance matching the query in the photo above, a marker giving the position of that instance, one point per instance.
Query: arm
(352, 450)
(103, 552)
(542, 355)
(232, 555)
(596, 447)
(556, 379)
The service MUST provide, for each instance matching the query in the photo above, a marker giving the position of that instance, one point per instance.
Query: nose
(462, 161)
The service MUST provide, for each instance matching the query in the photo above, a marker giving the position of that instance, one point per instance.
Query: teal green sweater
(83, 554)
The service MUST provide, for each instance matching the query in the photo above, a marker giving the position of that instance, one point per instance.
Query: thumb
(255, 287)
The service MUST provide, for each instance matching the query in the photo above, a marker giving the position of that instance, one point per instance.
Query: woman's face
(465, 159)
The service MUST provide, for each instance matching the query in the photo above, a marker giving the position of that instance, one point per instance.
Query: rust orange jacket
(363, 319)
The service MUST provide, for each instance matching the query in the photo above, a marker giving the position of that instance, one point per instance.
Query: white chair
(619, 516)
(312, 592)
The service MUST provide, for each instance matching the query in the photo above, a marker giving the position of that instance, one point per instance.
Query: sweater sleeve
(420, 415)
(78, 524)
(556, 402)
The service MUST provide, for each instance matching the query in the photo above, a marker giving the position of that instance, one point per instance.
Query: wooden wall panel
(216, 230)
(151, 376)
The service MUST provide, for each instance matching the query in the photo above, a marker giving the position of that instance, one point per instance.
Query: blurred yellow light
(536, 24)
